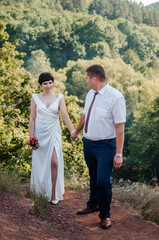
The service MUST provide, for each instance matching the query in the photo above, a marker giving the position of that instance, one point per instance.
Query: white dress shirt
(108, 108)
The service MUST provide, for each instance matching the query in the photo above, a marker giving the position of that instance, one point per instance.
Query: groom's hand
(117, 161)
(74, 135)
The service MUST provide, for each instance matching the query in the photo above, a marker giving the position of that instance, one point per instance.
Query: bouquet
(33, 143)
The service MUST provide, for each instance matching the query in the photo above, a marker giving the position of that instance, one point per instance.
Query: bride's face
(47, 86)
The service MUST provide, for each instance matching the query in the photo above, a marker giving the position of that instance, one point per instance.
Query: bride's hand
(73, 136)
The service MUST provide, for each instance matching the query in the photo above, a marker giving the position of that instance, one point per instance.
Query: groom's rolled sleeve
(119, 110)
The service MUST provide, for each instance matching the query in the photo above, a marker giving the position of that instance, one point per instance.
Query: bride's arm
(32, 118)
(65, 115)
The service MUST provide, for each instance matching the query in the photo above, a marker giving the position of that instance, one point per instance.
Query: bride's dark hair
(45, 76)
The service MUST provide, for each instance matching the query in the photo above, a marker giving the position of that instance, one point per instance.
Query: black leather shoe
(88, 210)
(106, 223)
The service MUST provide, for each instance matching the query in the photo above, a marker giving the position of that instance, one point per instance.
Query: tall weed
(144, 198)
(9, 182)
(40, 203)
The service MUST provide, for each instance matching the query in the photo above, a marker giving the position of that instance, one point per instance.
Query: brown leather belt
(96, 140)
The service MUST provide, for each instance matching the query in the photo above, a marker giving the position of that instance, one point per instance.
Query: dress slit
(48, 132)
(55, 161)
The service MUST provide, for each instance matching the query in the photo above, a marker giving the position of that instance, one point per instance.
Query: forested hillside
(112, 9)
(64, 37)
(126, 9)
(154, 5)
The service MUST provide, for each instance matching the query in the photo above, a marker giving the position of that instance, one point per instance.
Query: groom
(103, 121)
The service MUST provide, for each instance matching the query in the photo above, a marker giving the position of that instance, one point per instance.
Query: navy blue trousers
(99, 159)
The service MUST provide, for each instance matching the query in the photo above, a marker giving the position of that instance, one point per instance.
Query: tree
(73, 151)
(103, 8)
(100, 49)
(67, 5)
(38, 63)
(143, 143)
(113, 9)
(141, 44)
(76, 84)
(130, 57)
(63, 36)
(15, 91)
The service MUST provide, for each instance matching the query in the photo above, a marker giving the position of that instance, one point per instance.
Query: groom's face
(91, 81)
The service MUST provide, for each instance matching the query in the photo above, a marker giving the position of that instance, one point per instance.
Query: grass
(40, 203)
(9, 182)
(75, 182)
(144, 198)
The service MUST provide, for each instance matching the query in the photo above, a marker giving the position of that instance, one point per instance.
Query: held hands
(73, 136)
(117, 161)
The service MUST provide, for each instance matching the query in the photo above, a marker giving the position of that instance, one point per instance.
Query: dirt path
(61, 222)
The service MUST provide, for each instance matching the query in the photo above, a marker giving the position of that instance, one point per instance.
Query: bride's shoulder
(59, 96)
(35, 97)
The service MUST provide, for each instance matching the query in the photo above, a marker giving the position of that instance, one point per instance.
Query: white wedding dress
(48, 132)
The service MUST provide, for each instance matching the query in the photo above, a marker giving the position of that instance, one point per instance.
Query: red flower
(33, 143)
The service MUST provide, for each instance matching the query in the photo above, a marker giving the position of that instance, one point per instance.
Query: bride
(47, 176)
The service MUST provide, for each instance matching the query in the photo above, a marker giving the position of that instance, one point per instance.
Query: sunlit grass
(143, 197)
(13, 183)
(75, 182)
(9, 182)
(40, 203)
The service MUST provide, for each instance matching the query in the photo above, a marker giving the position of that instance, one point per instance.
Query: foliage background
(65, 37)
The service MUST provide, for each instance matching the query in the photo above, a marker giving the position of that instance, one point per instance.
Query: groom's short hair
(96, 70)
(45, 76)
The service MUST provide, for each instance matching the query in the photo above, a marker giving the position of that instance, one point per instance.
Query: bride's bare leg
(54, 166)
